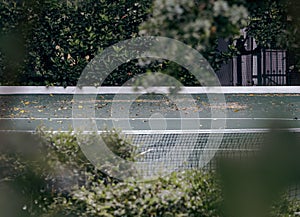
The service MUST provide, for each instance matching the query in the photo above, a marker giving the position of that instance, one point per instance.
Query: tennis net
(185, 131)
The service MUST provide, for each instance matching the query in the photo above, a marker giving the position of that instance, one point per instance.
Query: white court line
(71, 118)
(12, 90)
(212, 149)
(164, 132)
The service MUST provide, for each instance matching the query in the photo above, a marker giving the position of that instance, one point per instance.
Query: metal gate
(271, 67)
(267, 67)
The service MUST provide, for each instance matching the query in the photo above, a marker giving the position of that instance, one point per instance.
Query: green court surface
(25, 112)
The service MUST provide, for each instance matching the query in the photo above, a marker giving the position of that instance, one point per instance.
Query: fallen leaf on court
(236, 110)
(22, 111)
(26, 103)
(32, 118)
(39, 110)
(80, 106)
(16, 109)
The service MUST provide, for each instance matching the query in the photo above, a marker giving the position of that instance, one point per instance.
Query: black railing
(265, 67)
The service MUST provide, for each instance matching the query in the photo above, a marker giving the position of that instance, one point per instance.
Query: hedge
(50, 42)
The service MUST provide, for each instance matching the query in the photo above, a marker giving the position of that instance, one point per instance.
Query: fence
(262, 67)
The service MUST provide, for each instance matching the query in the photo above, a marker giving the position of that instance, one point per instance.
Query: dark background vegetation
(50, 42)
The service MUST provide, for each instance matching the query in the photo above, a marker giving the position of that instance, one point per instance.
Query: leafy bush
(180, 194)
(40, 167)
(58, 38)
(50, 176)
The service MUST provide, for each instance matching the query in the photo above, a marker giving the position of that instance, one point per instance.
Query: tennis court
(246, 108)
(178, 132)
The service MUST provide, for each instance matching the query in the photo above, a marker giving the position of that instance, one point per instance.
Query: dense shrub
(67, 184)
(50, 42)
(49, 176)
(180, 194)
(37, 168)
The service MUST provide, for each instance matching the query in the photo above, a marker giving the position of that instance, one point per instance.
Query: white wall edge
(16, 90)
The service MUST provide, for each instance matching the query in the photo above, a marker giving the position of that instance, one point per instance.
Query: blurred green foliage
(49, 176)
(198, 24)
(251, 185)
(36, 169)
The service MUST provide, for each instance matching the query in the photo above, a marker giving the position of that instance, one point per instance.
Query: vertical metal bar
(281, 73)
(259, 80)
(232, 72)
(264, 67)
(251, 61)
(239, 70)
(277, 69)
(233, 67)
(282, 67)
(279, 80)
(271, 63)
(286, 67)
(287, 64)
